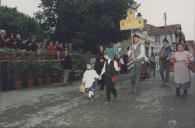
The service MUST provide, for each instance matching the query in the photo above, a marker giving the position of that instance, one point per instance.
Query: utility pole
(0, 3)
(165, 18)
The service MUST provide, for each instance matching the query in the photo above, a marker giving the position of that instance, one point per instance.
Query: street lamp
(139, 15)
(165, 18)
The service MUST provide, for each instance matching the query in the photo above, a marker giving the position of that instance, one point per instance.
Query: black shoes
(178, 92)
(185, 91)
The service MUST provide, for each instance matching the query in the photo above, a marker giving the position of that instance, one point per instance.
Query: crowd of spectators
(18, 42)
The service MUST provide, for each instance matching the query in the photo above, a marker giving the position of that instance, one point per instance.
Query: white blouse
(89, 77)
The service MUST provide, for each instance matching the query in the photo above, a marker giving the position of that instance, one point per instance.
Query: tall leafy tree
(93, 21)
(15, 22)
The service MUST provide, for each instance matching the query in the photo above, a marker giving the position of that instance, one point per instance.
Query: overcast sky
(178, 12)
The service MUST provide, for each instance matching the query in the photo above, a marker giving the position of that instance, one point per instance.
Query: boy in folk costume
(88, 81)
(137, 53)
(109, 69)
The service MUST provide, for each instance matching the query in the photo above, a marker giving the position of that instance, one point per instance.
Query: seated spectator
(18, 44)
(60, 51)
(2, 38)
(51, 49)
(40, 48)
(33, 46)
(11, 41)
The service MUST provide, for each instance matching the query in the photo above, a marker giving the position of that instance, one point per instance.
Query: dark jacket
(66, 62)
(2, 42)
(99, 65)
(18, 44)
(109, 69)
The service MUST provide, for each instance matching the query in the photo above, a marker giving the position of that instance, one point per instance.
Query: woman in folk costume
(137, 51)
(181, 60)
(109, 69)
(88, 81)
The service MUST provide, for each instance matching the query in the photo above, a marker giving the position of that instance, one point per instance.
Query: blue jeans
(136, 75)
(164, 67)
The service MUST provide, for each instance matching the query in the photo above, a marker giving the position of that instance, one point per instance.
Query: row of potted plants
(25, 69)
(28, 72)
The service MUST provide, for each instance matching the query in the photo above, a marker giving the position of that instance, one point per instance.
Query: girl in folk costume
(88, 81)
(181, 60)
(110, 68)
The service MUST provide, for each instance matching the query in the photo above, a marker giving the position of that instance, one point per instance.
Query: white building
(158, 34)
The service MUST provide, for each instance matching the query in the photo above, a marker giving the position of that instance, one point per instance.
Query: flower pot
(17, 84)
(40, 81)
(30, 83)
(61, 79)
(1, 85)
(1, 57)
(54, 79)
(48, 80)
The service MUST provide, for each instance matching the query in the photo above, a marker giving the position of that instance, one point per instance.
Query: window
(171, 38)
(157, 39)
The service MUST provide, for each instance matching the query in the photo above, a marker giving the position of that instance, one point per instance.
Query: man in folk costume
(137, 54)
(109, 70)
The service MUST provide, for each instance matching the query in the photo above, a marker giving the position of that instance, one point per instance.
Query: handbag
(82, 88)
(191, 66)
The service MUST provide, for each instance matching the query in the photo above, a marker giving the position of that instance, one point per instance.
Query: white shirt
(89, 77)
(141, 55)
(115, 66)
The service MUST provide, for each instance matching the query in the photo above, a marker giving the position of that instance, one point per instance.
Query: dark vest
(109, 69)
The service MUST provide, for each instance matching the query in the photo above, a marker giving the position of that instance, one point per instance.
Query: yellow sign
(131, 22)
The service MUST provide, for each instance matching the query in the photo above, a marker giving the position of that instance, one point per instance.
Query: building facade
(158, 34)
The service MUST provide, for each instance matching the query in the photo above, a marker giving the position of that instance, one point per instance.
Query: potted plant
(2, 54)
(47, 72)
(30, 72)
(15, 74)
(38, 72)
(56, 72)
(1, 81)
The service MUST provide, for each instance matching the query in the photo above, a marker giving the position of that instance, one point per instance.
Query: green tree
(15, 22)
(93, 21)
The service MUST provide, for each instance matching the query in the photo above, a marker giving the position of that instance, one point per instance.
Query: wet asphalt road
(56, 106)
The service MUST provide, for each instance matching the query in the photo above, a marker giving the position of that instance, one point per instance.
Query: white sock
(90, 94)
